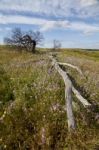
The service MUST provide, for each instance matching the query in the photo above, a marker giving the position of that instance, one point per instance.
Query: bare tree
(56, 45)
(28, 40)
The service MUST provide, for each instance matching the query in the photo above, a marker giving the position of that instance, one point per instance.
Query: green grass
(88, 54)
(34, 89)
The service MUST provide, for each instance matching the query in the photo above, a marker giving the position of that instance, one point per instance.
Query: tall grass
(37, 119)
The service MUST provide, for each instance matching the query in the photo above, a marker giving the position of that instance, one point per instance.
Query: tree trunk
(34, 47)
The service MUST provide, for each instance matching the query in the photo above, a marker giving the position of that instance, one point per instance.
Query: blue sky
(74, 22)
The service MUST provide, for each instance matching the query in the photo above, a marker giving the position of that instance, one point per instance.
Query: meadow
(32, 100)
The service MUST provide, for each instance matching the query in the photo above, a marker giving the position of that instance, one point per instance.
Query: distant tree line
(28, 40)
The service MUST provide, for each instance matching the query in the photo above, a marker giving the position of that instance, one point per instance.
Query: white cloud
(84, 27)
(55, 24)
(48, 7)
(45, 25)
(89, 2)
(8, 19)
(65, 8)
(88, 8)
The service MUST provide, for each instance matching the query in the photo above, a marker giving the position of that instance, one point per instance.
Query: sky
(75, 23)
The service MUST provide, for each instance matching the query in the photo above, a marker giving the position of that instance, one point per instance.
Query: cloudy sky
(74, 22)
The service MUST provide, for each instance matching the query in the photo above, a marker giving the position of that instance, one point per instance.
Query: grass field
(32, 94)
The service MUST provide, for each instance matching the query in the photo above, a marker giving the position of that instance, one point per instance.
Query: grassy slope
(37, 94)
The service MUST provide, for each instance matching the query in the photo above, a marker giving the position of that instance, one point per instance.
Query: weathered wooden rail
(69, 88)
